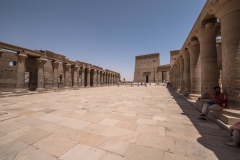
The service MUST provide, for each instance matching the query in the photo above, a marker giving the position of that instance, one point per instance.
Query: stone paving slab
(82, 151)
(109, 123)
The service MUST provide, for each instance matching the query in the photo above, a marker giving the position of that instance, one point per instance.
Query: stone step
(226, 118)
(194, 96)
(231, 112)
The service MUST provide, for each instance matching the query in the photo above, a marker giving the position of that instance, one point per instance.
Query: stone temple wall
(146, 68)
(8, 73)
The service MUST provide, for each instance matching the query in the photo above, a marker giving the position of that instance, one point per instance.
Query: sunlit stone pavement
(109, 123)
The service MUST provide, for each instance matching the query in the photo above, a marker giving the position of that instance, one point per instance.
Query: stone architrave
(55, 65)
(83, 77)
(228, 12)
(75, 77)
(88, 77)
(40, 84)
(186, 57)
(67, 83)
(21, 68)
(195, 67)
(181, 65)
(208, 56)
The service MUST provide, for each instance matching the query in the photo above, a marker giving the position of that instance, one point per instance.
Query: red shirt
(220, 96)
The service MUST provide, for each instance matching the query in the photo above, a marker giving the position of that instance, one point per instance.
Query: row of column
(203, 58)
(98, 77)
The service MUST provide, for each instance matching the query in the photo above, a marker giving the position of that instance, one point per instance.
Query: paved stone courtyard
(109, 123)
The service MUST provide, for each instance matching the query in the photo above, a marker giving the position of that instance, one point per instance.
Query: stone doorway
(147, 79)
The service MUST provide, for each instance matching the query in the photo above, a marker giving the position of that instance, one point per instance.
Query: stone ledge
(194, 96)
(198, 105)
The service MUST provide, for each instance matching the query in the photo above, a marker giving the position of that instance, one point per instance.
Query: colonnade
(211, 54)
(46, 66)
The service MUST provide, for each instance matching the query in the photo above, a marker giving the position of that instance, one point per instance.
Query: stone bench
(227, 116)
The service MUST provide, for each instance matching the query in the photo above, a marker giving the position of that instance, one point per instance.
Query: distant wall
(146, 66)
(8, 74)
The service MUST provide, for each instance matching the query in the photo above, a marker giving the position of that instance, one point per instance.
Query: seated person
(235, 132)
(218, 102)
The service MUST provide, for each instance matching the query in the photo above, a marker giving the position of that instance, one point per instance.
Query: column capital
(1, 50)
(185, 54)
(67, 65)
(22, 55)
(220, 8)
(41, 60)
(83, 69)
(55, 64)
(209, 31)
(55, 61)
(193, 46)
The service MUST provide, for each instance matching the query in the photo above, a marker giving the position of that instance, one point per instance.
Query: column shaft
(83, 77)
(67, 82)
(75, 77)
(40, 84)
(55, 65)
(208, 56)
(88, 77)
(21, 68)
(181, 65)
(195, 67)
(228, 12)
(186, 58)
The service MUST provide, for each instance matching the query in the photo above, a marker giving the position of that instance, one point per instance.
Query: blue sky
(106, 33)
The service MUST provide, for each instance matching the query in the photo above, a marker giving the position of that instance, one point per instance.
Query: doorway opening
(146, 79)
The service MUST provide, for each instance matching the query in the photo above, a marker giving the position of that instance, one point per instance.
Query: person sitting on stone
(235, 133)
(218, 102)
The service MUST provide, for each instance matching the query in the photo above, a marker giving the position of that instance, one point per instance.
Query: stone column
(75, 77)
(106, 78)
(67, 83)
(195, 68)
(55, 65)
(117, 79)
(88, 77)
(114, 79)
(98, 78)
(110, 77)
(40, 85)
(228, 12)
(83, 77)
(21, 68)
(103, 78)
(208, 56)
(175, 77)
(181, 66)
(186, 58)
(94, 78)
(178, 75)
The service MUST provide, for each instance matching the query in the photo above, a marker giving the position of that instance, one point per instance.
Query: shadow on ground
(213, 137)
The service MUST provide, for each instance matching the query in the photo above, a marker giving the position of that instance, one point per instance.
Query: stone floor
(109, 123)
